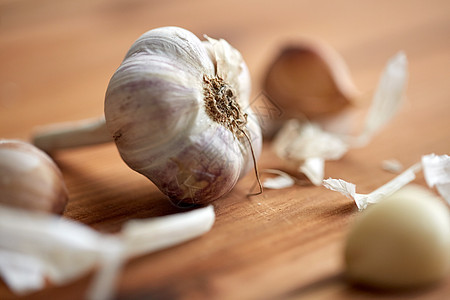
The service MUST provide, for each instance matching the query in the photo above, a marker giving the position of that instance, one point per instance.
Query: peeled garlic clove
(310, 79)
(178, 111)
(401, 242)
(30, 179)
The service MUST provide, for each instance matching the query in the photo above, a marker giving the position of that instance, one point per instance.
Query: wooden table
(56, 59)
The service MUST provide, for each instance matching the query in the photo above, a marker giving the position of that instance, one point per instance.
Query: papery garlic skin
(30, 179)
(155, 110)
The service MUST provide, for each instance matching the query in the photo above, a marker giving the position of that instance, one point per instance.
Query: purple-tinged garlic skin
(29, 178)
(155, 109)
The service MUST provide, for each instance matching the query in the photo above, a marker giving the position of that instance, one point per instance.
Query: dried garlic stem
(255, 167)
(72, 134)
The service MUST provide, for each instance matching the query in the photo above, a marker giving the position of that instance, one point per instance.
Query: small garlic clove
(30, 179)
(401, 242)
(310, 79)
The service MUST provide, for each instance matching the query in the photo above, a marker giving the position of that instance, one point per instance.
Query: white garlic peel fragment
(35, 246)
(402, 242)
(392, 165)
(362, 200)
(177, 109)
(308, 146)
(437, 173)
(30, 179)
(314, 169)
(281, 181)
(387, 98)
(298, 141)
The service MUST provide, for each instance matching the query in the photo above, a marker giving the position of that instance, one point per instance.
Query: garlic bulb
(178, 111)
(30, 179)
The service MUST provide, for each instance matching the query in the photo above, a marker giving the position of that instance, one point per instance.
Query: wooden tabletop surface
(57, 56)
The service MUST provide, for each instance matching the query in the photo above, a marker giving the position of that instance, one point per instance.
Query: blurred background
(61, 54)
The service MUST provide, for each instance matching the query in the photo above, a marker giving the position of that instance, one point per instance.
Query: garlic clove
(30, 179)
(71, 134)
(310, 79)
(401, 242)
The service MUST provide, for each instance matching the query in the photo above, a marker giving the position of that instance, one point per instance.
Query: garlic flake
(392, 165)
(387, 99)
(283, 180)
(362, 200)
(437, 173)
(307, 146)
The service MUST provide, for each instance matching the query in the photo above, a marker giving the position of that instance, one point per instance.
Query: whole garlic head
(30, 179)
(178, 109)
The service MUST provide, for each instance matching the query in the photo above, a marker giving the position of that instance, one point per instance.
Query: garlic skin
(157, 111)
(30, 179)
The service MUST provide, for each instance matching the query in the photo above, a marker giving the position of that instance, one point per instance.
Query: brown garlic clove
(30, 179)
(310, 79)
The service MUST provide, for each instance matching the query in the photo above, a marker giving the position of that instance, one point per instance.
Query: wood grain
(56, 59)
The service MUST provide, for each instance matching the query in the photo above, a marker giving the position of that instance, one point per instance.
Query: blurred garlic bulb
(30, 179)
(310, 79)
(178, 111)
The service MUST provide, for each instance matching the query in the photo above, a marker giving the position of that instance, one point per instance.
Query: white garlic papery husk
(178, 109)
